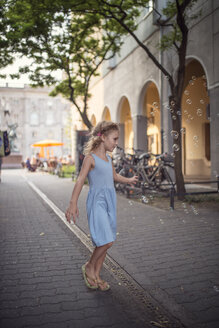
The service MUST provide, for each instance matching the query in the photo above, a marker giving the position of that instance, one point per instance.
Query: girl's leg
(100, 261)
(103, 285)
(95, 263)
(99, 265)
(90, 266)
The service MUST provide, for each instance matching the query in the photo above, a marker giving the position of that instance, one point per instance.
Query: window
(34, 118)
(49, 117)
(34, 134)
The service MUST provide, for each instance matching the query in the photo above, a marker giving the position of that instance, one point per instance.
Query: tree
(55, 39)
(175, 18)
(6, 44)
(115, 18)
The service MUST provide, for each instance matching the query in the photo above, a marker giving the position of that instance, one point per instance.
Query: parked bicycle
(151, 176)
(156, 176)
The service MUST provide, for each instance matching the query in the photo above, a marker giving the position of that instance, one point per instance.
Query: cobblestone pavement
(40, 268)
(174, 256)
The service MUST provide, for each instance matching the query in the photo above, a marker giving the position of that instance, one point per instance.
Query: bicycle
(156, 176)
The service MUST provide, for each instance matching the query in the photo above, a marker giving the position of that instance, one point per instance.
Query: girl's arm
(73, 208)
(119, 178)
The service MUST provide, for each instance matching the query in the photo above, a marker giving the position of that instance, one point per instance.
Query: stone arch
(93, 120)
(125, 120)
(106, 116)
(196, 121)
(150, 108)
(141, 98)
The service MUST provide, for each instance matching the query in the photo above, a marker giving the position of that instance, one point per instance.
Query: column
(214, 131)
(121, 142)
(139, 123)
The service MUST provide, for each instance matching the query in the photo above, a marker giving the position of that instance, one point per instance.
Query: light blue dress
(101, 202)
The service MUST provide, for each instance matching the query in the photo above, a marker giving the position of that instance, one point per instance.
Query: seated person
(29, 166)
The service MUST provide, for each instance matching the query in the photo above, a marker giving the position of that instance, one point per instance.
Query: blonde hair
(102, 128)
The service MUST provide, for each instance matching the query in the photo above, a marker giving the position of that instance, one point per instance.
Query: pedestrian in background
(101, 200)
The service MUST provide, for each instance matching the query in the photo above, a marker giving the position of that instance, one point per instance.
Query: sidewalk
(174, 255)
(40, 268)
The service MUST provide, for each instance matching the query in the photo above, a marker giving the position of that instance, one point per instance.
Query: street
(163, 269)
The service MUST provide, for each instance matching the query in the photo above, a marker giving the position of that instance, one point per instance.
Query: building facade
(132, 92)
(35, 116)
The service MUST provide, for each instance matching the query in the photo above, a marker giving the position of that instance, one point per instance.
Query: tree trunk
(177, 145)
(86, 120)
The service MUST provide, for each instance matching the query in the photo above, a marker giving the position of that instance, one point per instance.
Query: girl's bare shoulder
(89, 159)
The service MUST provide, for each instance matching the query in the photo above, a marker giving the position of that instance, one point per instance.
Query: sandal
(101, 286)
(85, 276)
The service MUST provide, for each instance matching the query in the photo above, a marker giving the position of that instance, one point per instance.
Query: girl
(101, 200)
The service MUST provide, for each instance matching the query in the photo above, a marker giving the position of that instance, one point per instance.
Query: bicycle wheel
(138, 188)
(120, 187)
(149, 177)
(165, 180)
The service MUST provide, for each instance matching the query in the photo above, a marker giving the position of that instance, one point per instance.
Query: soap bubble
(155, 104)
(174, 117)
(204, 77)
(183, 130)
(172, 103)
(195, 138)
(186, 92)
(186, 112)
(216, 289)
(202, 101)
(193, 77)
(152, 113)
(189, 101)
(178, 113)
(144, 199)
(194, 210)
(171, 110)
(173, 155)
(174, 134)
(190, 117)
(175, 147)
(199, 112)
(191, 82)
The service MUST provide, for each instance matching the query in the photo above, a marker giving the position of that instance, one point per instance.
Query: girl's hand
(133, 180)
(72, 211)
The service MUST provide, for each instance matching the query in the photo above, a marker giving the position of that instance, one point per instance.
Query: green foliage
(173, 36)
(75, 36)
(66, 171)
(56, 39)
(171, 39)
(202, 198)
